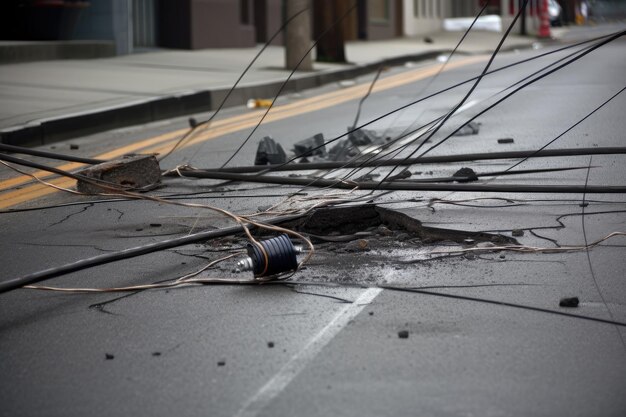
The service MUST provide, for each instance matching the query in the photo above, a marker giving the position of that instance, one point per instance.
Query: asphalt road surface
(330, 344)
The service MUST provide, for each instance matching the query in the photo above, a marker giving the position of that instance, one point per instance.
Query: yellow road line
(163, 143)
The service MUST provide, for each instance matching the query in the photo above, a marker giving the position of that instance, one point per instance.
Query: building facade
(197, 24)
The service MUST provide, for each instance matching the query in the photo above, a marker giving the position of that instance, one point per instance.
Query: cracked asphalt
(324, 345)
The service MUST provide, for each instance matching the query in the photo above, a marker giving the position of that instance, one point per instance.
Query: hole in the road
(359, 220)
(354, 243)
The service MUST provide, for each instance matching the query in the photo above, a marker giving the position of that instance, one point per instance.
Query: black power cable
(472, 88)
(405, 106)
(245, 71)
(51, 155)
(404, 186)
(526, 84)
(437, 120)
(129, 253)
(284, 84)
(427, 160)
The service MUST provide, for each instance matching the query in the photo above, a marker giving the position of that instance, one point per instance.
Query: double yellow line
(161, 144)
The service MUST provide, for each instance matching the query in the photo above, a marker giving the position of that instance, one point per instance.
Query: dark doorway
(399, 19)
(260, 20)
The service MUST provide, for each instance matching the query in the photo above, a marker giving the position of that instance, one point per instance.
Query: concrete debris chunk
(131, 172)
(310, 147)
(465, 175)
(359, 245)
(269, 152)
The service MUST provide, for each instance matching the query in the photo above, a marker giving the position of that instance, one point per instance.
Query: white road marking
(466, 106)
(300, 360)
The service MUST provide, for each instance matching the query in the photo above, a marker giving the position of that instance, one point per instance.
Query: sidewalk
(53, 100)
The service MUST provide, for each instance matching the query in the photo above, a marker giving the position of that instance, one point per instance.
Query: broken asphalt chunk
(131, 172)
(359, 245)
(269, 152)
(465, 175)
(311, 147)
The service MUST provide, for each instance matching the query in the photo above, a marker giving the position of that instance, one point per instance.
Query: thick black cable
(404, 186)
(23, 162)
(36, 165)
(50, 155)
(428, 159)
(467, 178)
(129, 253)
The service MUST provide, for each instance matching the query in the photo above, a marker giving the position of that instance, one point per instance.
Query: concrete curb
(32, 51)
(48, 130)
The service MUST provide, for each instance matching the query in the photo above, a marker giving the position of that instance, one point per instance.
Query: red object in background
(544, 20)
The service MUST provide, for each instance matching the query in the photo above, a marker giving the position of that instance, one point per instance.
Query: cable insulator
(281, 256)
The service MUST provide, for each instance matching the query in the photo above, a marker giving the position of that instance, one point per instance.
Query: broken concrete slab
(131, 172)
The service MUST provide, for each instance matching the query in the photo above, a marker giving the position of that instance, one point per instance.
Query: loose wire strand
(282, 86)
(378, 118)
(238, 219)
(183, 280)
(472, 88)
(530, 249)
(205, 124)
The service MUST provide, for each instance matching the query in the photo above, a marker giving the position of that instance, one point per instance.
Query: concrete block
(139, 172)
